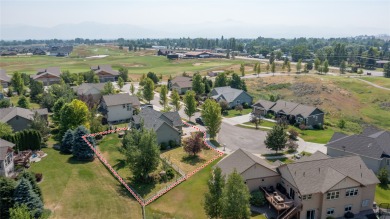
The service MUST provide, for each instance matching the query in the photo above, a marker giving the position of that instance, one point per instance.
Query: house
(5, 80)
(168, 126)
(119, 107)
(164, 52)
(181, 84)
(60, 51)
(294, 112)
(197, 55)
(231, 95)
(86, 89)
(381, 63)
(48, 76)
(6, 158)
(105, 73)
(372, 145)
(314, 187)
(20, 118)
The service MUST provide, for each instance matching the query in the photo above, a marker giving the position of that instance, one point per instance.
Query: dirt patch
(197, 64)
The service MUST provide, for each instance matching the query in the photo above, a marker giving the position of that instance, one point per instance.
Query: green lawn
(252, 127)
(382, 194)
(14, 100)
(233, 113)
(381, 81)
(316, 136)
(185, 200)
(263, 123)
(109, 147)
(73, 189)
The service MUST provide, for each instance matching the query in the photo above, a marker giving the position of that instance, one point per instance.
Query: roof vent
(319, 170)
(303, 173)
(369, 145)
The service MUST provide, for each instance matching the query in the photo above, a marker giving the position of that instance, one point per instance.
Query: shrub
(318, 127)
(341, 124)
(172, 143)
(349, 215)
(246, 105)
(293, 134)
(383, 176)
(269, 116)
(163, 146)
(155, 177)
(170, 174)
(257, 198)
(302, 126)
(38, 177)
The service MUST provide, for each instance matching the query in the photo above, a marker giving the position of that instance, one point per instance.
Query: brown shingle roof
(105, 68)
(7, 114)
(118, 99)
(181, 78)
(84, 87)
(55, 71)
(264, 104)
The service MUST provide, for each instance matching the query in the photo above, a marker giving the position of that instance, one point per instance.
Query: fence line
(174, 166)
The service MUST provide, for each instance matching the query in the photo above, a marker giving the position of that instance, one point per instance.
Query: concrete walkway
(237, 119)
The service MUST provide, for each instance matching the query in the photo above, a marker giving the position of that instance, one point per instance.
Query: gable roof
(119, 99)
(54, 71)
(227, 93)
(287, 107)
(241, 160)
(153, 119)
(337, 136)
(315, 176)
(264, 104)
(369, 143)
(5, 148)
(174, 117)
(183, 84)
(318, 155)
(6, 114)
(4, 76)
(181, 78)
(85, 87)
(4, 143)
(105, 68)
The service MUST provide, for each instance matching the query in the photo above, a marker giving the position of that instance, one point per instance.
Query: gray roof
(7, 114)
(105, 68)
(264, 104)
(4, 76)
(321, 175)
(369, 130)
(338, 136)
(183, 84)
(153, 119)
(242, 160)
(119, 99)
(55, 71)
(85, 87)
(227, 93)
(318, 155)
(180, 78)
(5, 148)
(288, 108)
(374, 145)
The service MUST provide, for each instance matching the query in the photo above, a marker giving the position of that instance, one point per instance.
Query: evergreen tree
(325, 67)
(20, 212)
(258, 70)
(153, 76)
(343, 67)
(67, 142)
(211, 113)
(96, 79)
(176, 100)
(121, 83)
(124, 73)
(148, 91)
(23, 102)
(299, 65)
(197, 84)
(276, 138)
(190, 104)
(80, 149)
(7, 188)
(213, 198)
(386, 70)
(235, 199)
(24, 194)
(33, 182)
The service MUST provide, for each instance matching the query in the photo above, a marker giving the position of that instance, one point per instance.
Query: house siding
(314, 203)
(166, 133)
(313, 120)
(259, 176)
(19, 123)
(385, 163)
(241, 99)
(7, 170)
(118, 113)
(180, 90)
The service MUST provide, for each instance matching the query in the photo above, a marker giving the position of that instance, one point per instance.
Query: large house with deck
(317, 186)
(233, 96)
(48, 76)
(119, 107)
(105, 73)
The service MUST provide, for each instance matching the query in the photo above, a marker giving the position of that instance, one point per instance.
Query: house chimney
(303, 173)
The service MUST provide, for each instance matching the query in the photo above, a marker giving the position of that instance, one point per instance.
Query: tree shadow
(384, 186)
(120, 164)
(73, 160)
(192, 160)
(142, 188)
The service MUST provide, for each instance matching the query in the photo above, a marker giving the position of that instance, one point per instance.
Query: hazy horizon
(68, 19)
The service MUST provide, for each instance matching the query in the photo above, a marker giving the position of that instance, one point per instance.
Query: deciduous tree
(108, 88)
(255, 120)
(190, 104)
(5, 129)
(176, 100)
(121, 83)
(288, 67)
(17, 83)
(36, 90)
(164, 95)
(72, 115)
(39, 124)
(132, 89)
(343, 67)
(197, 84)
(148, 91)
(213, 198)
(276, 138)
(23, 102)
(211, 114)
(239, 108)
(299, 65)
(124, 73)
(193, 144)
(221, 80)
(242, 69)
(325, 67)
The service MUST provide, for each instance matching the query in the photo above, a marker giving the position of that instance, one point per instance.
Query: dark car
(199, 121)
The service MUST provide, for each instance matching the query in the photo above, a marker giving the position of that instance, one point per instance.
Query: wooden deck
(277, 204)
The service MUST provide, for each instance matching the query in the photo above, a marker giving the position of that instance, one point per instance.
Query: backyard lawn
(234, 113)
(264, 123)
(382, 194)
(14, 100)
(73, 189)
(316, 136)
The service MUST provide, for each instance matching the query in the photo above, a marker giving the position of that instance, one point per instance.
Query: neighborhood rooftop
(55, 71)
(153, 119)
(86, 86)
(118, 99)
(104, 68)
(4, 76)
(227, 93)
(7, 114)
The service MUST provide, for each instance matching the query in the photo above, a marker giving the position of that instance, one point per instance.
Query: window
(351, 192)
(128, 107)
(388, 162)
(124, 106)
(330, 211)
(306, 197)
(347, 208)
(365, 203)
(332, 195)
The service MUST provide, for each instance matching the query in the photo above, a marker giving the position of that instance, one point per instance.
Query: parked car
(199, 120)
(146, 105)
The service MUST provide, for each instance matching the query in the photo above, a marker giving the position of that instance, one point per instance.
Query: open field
(341, 98)
(73, 189)
(381, 81)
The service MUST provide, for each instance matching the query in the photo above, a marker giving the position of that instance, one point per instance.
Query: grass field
(382, 194)
(73, 189)
(234, 113)
(264, 123)
(381, 81)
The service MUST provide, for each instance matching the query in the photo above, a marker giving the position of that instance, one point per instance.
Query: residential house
(381, 63)
(231, 95)
(48, 76)
(105, 73)
(168, 126)
(314, 187)
(5, 80)
(372, 145)
(197, 55)
(60, 51)
(86, 89)
(164, 52)
(6, 158)
(20, 118)
(294, 112)
(181, 84)
(119, 107)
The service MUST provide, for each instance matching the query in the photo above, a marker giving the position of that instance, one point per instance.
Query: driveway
(237, 119)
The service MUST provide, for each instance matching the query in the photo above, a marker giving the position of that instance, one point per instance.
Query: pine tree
(80, 149)
(67, 142)
(7, 188)
(276, 138)
(24, 194)
(213, 198)
(33, 182)
(235, 199)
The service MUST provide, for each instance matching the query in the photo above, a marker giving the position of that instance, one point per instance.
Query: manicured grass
(14, 100)
(110, 148)
(316, 136)
(186, 162)
(74, 189)
(381, 81)
(215, 143)
(184, 201)
(382, 194)
(263, 123)
(234, 113)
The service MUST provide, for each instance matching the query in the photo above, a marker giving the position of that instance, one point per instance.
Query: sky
(196, 18)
